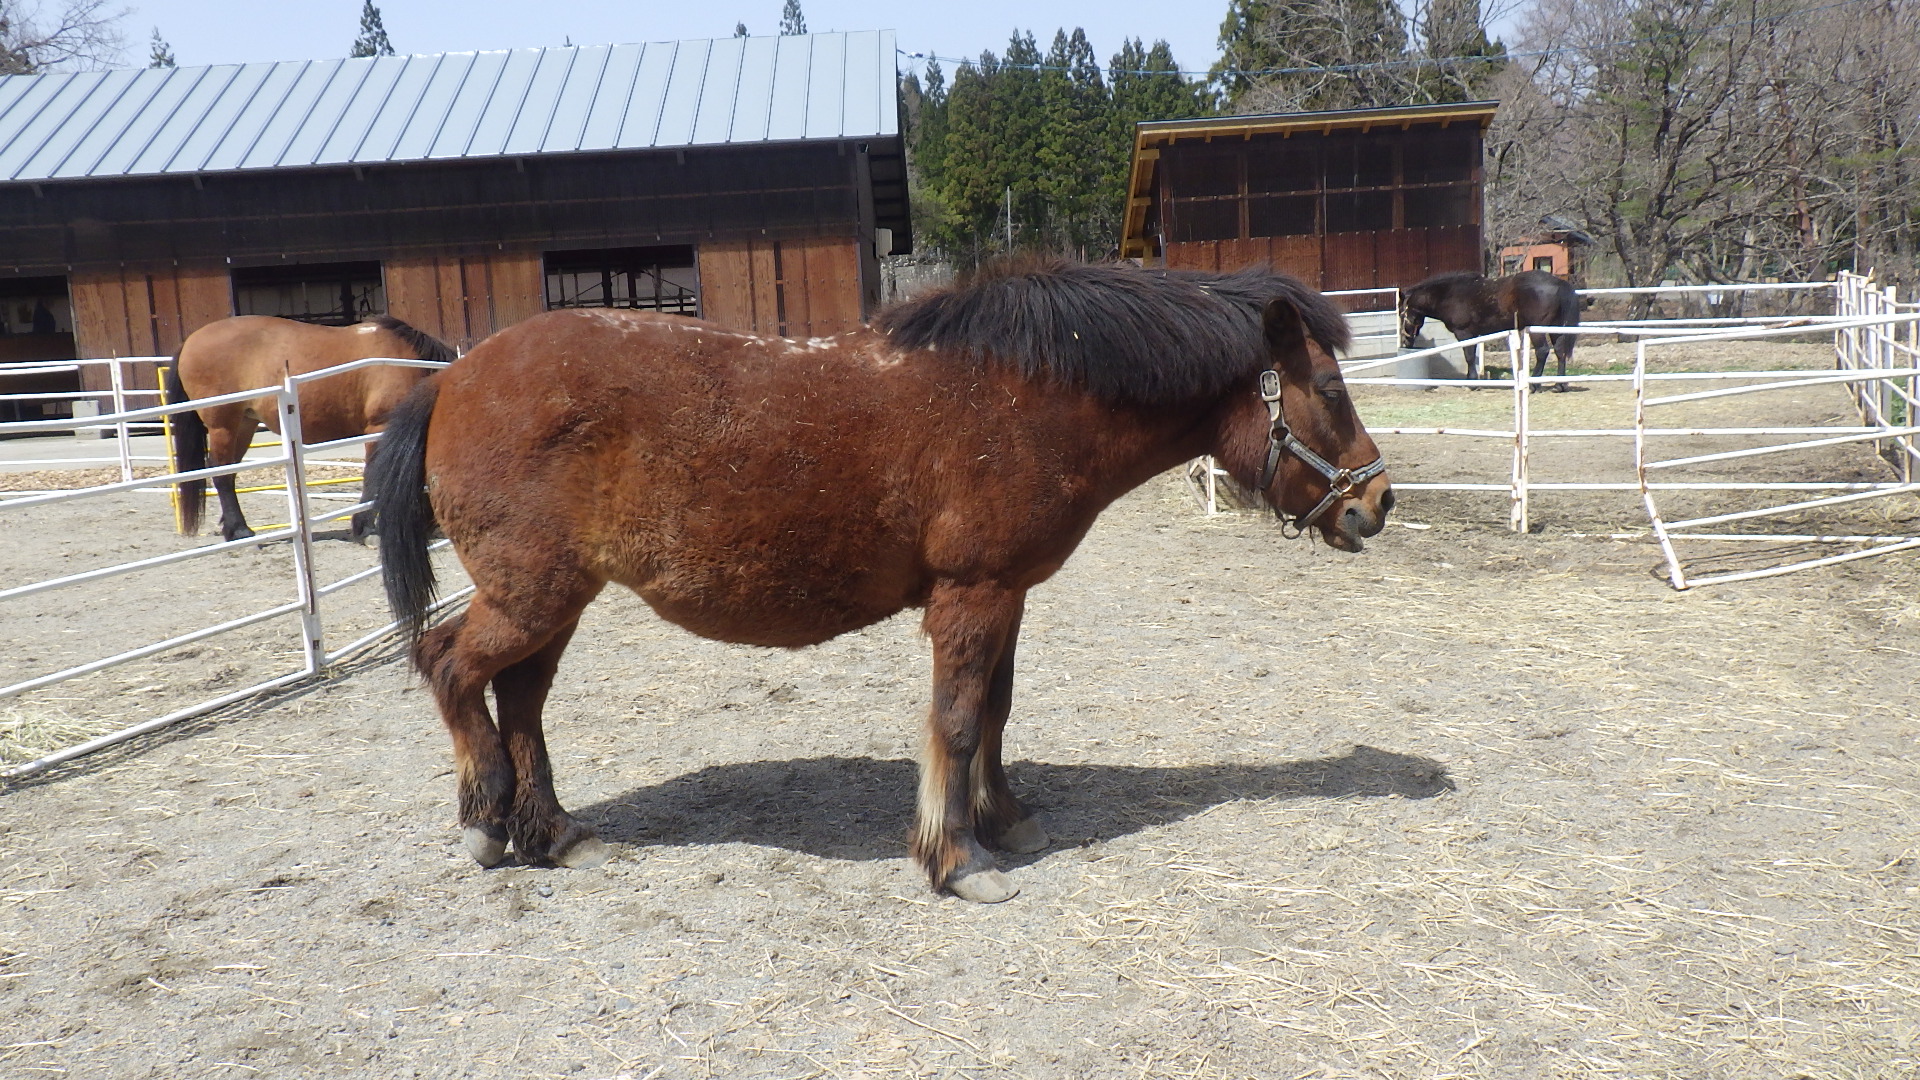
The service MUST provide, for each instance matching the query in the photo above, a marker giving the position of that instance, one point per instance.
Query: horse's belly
(759, 624)
(788, 598)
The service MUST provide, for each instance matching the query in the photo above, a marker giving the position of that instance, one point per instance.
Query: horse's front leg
(972, 627)
(1472, 353)
(999, 818)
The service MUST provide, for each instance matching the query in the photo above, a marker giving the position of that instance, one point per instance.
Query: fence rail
(306, 608)
(1876, 339)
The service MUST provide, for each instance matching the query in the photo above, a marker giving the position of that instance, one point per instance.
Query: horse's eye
(1333, 392)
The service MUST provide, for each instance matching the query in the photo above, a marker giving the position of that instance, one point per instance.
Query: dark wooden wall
(143, 311)
(1342, 260)
(794, 288)
(460, 299)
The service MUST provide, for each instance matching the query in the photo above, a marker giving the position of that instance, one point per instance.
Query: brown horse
(776, 492)
(1470, 306)
(250, 351)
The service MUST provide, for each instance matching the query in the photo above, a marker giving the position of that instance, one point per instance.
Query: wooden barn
(753, 181)
(1357, 199)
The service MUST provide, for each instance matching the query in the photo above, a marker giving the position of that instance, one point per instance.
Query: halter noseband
(1340, 482)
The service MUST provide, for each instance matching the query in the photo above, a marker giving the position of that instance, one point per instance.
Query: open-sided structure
(1359, 199)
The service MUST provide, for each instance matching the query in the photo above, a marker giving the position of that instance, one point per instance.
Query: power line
(1418, 61)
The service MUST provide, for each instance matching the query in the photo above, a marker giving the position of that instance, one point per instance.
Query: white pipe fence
(292, 459)
(1877, 349)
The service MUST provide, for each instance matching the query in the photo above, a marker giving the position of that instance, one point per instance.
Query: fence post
(1675, 574)
(118, 380)
(1910, 359)
(1518, 516)
(293, 444)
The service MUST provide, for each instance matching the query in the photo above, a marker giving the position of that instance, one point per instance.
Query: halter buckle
(1270, 386)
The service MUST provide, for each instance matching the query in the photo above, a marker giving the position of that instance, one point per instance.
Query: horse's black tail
(189, 451)
(397, 487)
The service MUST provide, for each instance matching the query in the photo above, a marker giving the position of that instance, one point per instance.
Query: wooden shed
(1355, 199)
(753, 181)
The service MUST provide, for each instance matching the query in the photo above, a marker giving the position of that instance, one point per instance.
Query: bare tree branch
(78, 35)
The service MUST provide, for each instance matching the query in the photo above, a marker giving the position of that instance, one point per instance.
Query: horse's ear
(1286, 333)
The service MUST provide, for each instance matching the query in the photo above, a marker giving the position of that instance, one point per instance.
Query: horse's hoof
(241, 533)
(487, 844)
(584, 854)
(983, 887)
(1024, 837)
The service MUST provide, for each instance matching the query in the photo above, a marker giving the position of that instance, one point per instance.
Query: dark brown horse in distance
(1470, 305)
(774, 492)
(250, 351)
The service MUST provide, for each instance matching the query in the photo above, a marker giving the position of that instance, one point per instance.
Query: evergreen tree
(161, 54)
(1042, 140)
(1453, 35)
(1147, 85)
(925, 105)
(791, 20)
(991, 112)
(373, 33)
(1072, 146)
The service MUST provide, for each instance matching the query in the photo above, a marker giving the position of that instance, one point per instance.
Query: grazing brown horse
(1470, 306)
(250, 351)
(775, 492)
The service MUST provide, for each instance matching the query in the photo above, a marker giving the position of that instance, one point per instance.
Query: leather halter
(1340, 482)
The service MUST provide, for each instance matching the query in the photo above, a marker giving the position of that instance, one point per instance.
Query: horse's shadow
(860, 808)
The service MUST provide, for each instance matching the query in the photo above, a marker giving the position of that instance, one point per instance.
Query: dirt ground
(1468, 804)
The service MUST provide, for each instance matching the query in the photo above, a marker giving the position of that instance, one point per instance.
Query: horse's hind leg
(361, 525)
(483, 775)
(971, 627)
(459, 658)
(1563, 349)
(542, 832)
(228, 438)
(998, 817)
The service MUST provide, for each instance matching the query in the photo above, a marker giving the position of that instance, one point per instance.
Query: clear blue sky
(230, 31)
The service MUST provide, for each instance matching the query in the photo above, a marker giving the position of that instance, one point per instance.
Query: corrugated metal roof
(450, 106)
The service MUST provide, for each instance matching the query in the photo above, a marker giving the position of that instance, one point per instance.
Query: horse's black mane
(1120, 332)
(424, 345)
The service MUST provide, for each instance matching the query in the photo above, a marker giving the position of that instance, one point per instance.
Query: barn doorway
(36, 325)
(643, 279)
(331, 294)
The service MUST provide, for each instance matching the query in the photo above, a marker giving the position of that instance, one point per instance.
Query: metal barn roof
(450, 106)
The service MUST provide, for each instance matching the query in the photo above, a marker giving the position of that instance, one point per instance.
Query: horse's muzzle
(1348, 529)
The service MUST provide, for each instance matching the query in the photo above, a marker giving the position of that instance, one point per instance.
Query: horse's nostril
(1386, 502)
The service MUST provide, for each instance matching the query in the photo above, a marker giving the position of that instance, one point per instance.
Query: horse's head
(1303, 444)
(1413, 316)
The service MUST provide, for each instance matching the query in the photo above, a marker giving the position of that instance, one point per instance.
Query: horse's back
(245, 352)
(1542, 299)
(710, 471)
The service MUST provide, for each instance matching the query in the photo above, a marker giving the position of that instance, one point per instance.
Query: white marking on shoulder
(367, 328)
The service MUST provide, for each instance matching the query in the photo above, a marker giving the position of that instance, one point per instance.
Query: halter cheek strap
(1340, 482)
